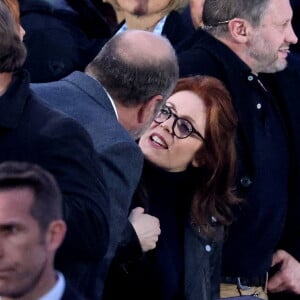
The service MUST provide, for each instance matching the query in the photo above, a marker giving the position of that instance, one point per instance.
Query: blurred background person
(195, 8)
(31, 230)
(159, 16)
(62, 35)
(117, 9)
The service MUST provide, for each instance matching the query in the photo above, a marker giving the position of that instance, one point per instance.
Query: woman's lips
(159, 140)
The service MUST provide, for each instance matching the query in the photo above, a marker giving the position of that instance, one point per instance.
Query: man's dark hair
(130, 77)
(216, 13)
(47, 204)
(12, 49)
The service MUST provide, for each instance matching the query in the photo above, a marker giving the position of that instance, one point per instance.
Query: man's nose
(291, 37)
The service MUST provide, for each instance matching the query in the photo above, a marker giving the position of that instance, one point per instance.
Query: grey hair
(217, 13)
(131, 77)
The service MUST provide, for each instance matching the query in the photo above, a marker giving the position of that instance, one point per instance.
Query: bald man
(116, 99)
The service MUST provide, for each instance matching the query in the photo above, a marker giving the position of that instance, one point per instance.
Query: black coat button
(245, 181)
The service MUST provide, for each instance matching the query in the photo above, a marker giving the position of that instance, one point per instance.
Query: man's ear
(239, 30)
(55, 234)
(147, 110)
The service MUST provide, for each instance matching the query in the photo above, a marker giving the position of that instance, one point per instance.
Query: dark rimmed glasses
(181, 128)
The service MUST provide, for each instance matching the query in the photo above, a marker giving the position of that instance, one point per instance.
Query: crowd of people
(149, 149)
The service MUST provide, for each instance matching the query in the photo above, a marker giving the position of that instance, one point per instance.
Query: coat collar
(91, 87)
(12, 103)
(221, 51)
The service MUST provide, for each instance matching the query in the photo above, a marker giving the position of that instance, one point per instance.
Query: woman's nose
(167, 125)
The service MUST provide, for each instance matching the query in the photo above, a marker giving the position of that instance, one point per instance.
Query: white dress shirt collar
(109, 97)
(57, 290)
(112, 103)
(157, 29)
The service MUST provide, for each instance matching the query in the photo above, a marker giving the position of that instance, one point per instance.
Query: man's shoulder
(206, 55)
(77, 95)
(72, 80)
(201, 54)
(44, 113)
(46, 123)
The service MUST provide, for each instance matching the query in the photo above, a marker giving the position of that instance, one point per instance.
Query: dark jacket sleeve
(122, 270)
(122, 165)
(66, 150)
(129, 250)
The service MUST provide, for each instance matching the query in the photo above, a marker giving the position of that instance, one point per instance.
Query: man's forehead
(279, 9)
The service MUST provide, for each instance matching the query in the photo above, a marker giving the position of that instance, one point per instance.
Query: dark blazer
(83, 98)
(206, 55)
(31, 131)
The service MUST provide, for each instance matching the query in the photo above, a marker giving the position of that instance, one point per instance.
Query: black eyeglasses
(181, 127)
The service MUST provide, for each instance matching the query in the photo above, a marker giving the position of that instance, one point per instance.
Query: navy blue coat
(205, 55)
(31, 131)
(84, 99)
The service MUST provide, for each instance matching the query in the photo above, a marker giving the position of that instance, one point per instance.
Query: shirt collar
(112, 102)
(108, 95)
(57, 290)
(157, 29)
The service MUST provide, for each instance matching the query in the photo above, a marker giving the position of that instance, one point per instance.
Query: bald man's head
(138, 46)
(134, 66)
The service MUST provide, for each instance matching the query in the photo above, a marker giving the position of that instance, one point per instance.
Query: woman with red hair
(187, 183)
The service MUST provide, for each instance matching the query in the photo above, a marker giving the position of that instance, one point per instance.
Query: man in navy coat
(31, 230)
(245, 44)
(116, 99)
(31, 131)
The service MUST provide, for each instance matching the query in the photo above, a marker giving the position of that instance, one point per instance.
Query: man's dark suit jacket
(31, 131)
(84, 99)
